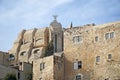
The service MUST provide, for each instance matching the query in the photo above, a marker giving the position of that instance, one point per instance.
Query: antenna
(55, 17)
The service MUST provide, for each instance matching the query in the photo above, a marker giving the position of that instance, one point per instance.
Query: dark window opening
(18, 75)
(109, 56)
(22, 42)
(62, 43)
(36, 51)
(23, 53)
(11, 57)
(20, 63)
(33, 39)
(55, 43)
(79, 64)
(96, 39)
(98, 59)
(107, 79)
(78, 77)
(42, 66)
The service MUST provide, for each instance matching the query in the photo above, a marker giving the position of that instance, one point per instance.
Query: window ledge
(97, 63)
(109, 60)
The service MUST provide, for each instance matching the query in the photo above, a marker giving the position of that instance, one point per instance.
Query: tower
(56, 35)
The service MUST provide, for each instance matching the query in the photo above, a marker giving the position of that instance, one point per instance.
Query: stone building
(87, 52)
(5, 66)
(92, 52)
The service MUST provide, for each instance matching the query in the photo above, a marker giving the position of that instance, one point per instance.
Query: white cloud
(18, 14)
(28, 11)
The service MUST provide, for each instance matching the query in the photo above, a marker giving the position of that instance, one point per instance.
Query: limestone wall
(46, 72)
(27, 42)
(58, 68)
(41, 37)
(4, 58)
(16, 46)
(56, 35)
(88, 49)
(107, 68)
(80, 51)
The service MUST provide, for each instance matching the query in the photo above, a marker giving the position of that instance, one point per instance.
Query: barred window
(42, 66)
(112, 35)
(78, 77)
(77, 39)
(107, 36)
(78, 65)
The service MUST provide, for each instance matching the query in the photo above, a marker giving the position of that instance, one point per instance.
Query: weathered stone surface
(96, 47)
(89, 49)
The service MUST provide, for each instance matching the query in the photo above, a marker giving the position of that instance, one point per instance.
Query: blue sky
(16, 15)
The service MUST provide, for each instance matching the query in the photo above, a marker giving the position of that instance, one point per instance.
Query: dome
(55, 25)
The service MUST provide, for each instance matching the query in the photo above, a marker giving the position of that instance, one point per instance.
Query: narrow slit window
(96, 39)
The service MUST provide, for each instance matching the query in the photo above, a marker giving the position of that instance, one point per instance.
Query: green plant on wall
(49, 49)
(10, 76)
(28, 76)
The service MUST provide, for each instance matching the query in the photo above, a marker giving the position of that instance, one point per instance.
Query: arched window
(23, 53)
(11, 57)
(37, 51)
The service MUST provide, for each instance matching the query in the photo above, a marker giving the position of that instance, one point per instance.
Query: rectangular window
(73, 39)
(75, 65)
(112, 35)
(42, 66)
(77, 39)
(98, 59)
(78, 77)
(109, 56)
(78, 65)
(107, 36)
